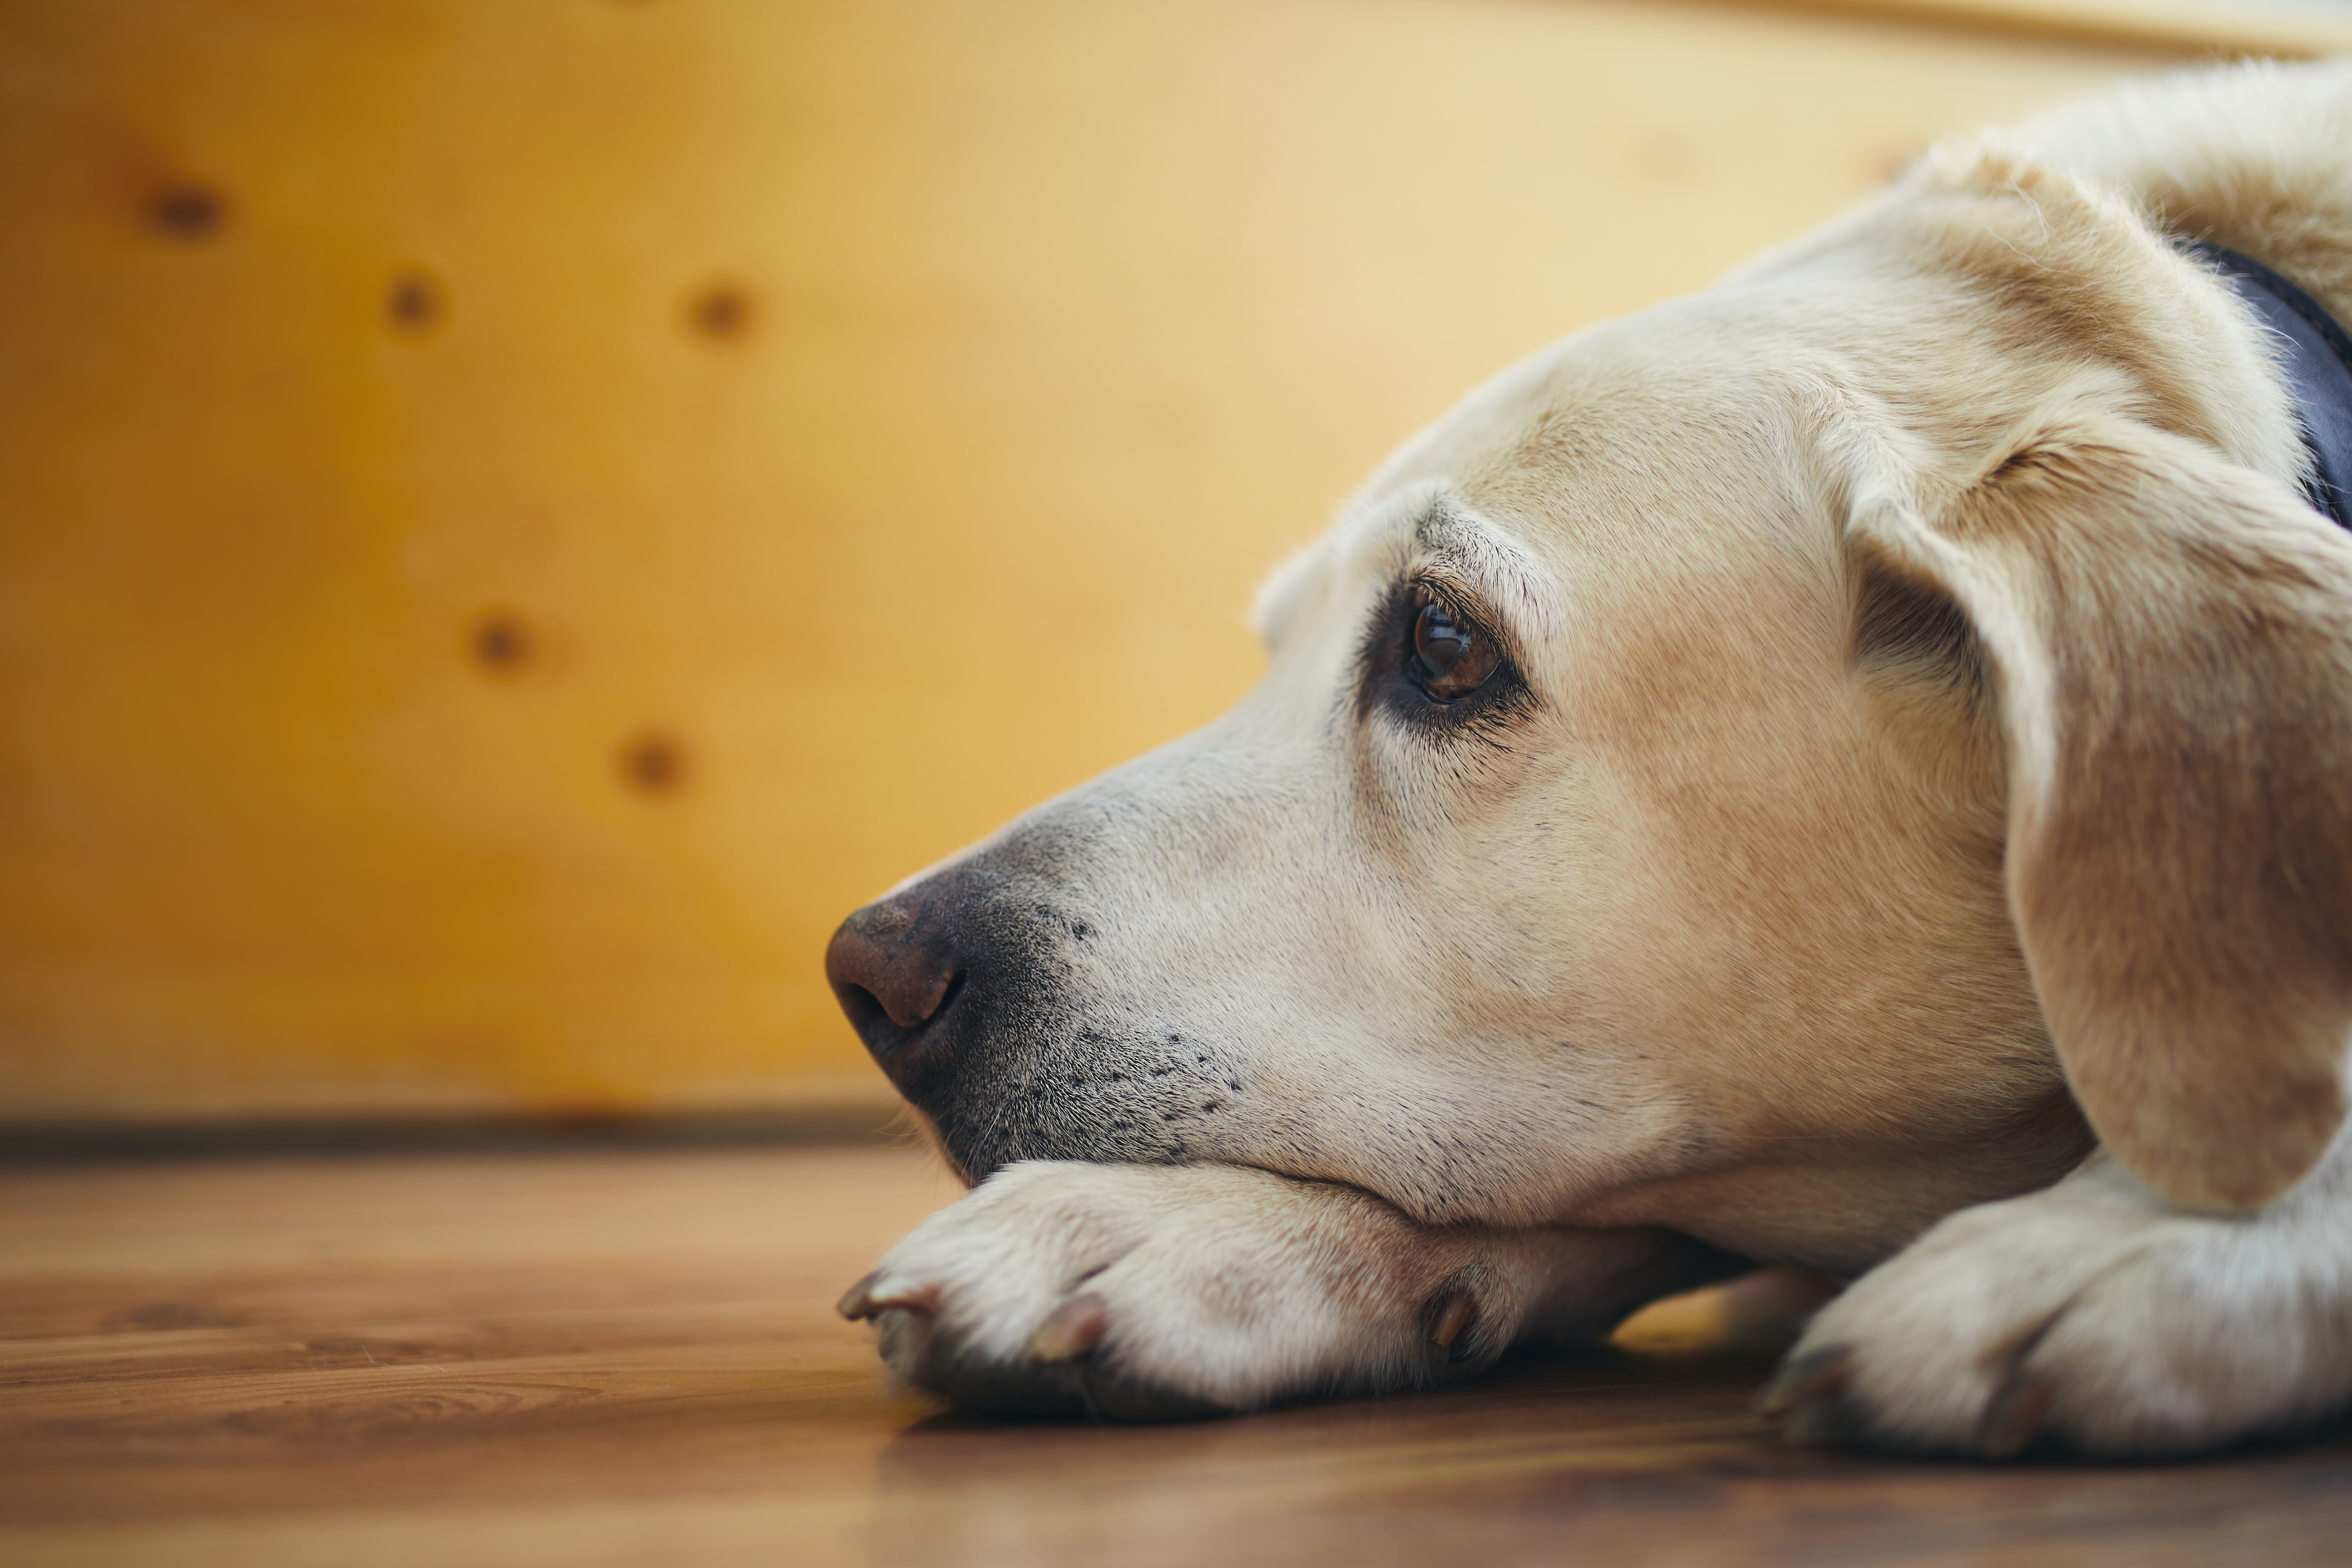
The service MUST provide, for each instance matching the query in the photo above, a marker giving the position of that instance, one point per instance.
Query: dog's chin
(979, 1139)
(1126, 1097)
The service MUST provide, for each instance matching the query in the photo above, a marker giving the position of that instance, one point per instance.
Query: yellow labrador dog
(1852, 768)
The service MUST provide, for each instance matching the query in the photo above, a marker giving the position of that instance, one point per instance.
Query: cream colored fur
(1936, 767)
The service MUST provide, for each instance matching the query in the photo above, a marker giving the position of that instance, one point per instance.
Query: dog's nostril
(865, 1008)
(948, 996)
(862, 1005)
(911, 1005)
(879, 975)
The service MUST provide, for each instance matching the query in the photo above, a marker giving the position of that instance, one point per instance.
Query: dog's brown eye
(1451, 657)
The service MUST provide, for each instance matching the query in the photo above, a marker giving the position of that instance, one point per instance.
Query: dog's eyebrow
(1451, 544)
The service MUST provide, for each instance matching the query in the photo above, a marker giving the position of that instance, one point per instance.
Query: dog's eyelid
(1407, 675)
(1468, 600)
(1483, 571)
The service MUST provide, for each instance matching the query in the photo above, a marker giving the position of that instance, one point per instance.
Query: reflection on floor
(630, 1358)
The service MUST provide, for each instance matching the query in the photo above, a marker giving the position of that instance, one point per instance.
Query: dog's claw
(1456, 1313)
(1815, 1375)
(1076, 1326)
(2016, 1415)
(866, 1299)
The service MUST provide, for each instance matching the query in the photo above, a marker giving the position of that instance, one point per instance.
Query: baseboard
(22, 1141)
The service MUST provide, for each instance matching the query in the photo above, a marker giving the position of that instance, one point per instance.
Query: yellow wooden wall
(514, 517)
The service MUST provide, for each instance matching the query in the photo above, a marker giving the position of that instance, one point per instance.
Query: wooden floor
(631, 1358)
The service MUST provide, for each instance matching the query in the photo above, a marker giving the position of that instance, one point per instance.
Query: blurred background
(517, 516)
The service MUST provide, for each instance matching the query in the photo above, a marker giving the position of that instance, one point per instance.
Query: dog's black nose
(896, 973)
(953, 983)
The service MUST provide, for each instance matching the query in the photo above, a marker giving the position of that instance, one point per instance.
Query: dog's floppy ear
(2170, 636)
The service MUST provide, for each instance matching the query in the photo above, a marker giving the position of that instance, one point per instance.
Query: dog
(1852, 769)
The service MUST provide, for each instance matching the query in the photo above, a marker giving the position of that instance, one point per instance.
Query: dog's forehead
(1684, 416)
(1666, 436)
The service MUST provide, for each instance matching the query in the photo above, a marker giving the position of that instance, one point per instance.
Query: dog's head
(1778, 766)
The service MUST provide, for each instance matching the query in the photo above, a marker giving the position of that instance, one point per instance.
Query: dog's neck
(2317, 360)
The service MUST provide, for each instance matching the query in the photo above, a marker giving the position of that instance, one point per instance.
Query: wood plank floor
(631, 1358)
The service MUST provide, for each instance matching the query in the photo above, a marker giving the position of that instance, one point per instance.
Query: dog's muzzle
(955, 985)
(983, 995)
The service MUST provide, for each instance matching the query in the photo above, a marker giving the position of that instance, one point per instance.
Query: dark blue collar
(2318, 367)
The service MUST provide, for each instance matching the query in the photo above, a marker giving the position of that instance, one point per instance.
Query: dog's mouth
(1050, 1090)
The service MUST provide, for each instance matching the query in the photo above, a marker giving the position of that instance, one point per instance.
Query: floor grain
(630, 1358)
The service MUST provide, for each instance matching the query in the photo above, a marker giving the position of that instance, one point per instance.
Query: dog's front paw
(1145, 1292)
(2089, 1319)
